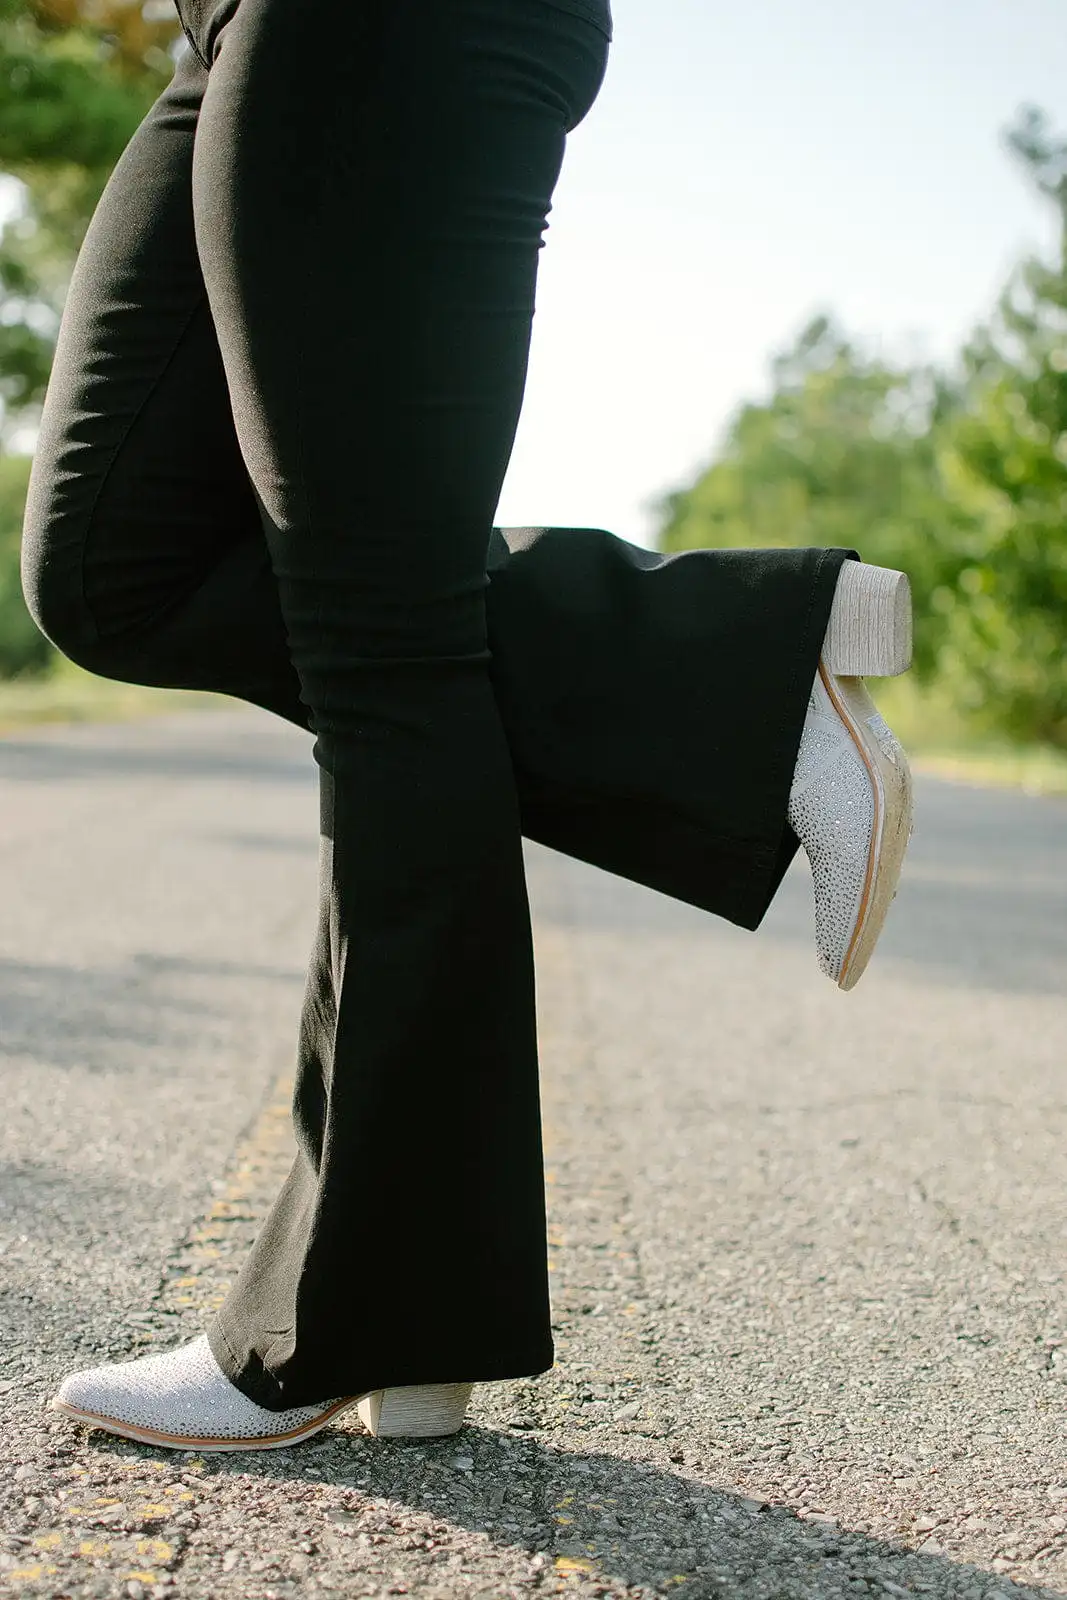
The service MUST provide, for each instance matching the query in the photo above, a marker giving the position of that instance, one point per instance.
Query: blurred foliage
(1004, 464)
(959, 477)
(23, 650)
(842, 454)
(76, 79)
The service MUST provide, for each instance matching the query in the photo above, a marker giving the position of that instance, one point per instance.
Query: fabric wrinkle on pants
(285, 394)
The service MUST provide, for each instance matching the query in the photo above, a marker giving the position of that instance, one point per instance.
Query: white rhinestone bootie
(182, 1400)
(851, 799)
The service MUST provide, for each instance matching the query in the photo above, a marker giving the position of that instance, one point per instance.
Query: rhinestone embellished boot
(851, 799)
(182, 1400)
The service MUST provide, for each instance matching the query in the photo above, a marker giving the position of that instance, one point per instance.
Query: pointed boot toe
(183, 1401)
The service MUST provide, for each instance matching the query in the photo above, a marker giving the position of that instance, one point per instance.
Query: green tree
(76, 78)
(842, 454)
(959, 478)
(23, 649)
(1004, 457)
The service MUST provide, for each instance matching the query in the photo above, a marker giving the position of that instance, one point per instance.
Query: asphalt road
(808, 1249)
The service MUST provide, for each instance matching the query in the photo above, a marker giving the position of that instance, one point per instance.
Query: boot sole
(890, 776)
(174, 1441)
(421, 1411)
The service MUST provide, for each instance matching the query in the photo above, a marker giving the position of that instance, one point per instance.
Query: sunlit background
(745, 167)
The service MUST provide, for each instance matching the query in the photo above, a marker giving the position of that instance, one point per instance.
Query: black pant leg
(145, 561)
(409, 170)
(654, 704)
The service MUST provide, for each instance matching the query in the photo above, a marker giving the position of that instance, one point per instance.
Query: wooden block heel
(421, 1411)
(869, 634)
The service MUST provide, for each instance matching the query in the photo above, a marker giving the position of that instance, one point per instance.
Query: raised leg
(145, 560)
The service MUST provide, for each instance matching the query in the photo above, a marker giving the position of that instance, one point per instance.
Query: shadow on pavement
(94, 1019)
(108, 1019)
(59, 760)
(275, 844)
(623, 1522)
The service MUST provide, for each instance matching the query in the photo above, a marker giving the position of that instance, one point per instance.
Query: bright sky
(745, 167)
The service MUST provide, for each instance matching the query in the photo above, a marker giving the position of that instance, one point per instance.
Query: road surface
(808, 1249)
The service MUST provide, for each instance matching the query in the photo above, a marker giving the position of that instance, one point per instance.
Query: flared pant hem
(663, 850)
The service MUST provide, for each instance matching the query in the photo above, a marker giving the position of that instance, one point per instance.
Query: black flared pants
(285, 392)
